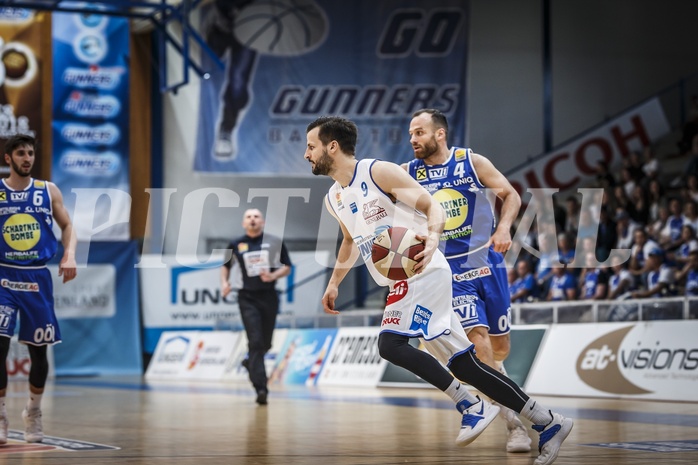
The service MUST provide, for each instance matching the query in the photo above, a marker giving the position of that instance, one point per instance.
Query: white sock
(459, 393)
(538, 414)
(34, 401)
(3, 409)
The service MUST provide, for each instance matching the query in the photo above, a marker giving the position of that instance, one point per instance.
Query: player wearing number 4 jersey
(462, 181)
(369, 196)
(28, 208)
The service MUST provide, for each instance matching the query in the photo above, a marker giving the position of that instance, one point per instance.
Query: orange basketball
(393, 252)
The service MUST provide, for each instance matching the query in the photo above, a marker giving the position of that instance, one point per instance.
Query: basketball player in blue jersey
(369, 196)
(28, 208)
(472, 242)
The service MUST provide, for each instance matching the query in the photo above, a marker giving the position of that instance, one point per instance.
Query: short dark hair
(18, 140)
(437, 118)
(336, 128)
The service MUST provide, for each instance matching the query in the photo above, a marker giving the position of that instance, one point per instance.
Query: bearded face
(323, 165)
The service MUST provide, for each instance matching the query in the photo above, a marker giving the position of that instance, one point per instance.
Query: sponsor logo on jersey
(420, 319)
(243, 247)
(19, 196)
(391, 317)
(438, 173)
(421, 173)
(338, 199)
(373, 212)
(473, 274)
(398, 291)
(3, 196)
(40, 184)
(19, 286)
(353, 207)
(461, 154)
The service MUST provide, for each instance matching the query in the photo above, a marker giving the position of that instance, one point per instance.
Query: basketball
(281, 27)
(393, 252)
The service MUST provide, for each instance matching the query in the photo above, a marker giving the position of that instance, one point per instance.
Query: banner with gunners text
(289, 61)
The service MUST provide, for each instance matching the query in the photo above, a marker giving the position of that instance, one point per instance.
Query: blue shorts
(481, 294)
(27, 294)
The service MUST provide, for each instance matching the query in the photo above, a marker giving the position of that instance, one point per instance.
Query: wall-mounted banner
(21, 66)
(568, 166)
(91, 118)
(653, 360)
(290, 61)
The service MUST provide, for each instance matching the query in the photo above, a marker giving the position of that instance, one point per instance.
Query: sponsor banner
(91, 118)
(570, 165)
(235, 372)
(354, 359)
(189, 296)
(19, 363)
(99, 313)
(92, 294)
(302, 356)
(210, 355)
(172, 353)
(406, 55)
(21, 65)
(654, 360)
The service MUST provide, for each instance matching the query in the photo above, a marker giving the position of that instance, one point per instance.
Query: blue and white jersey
(663, 275)
(615, 280)
(366, 211)
(27, 218)
(592, 280)
(455, 185)
(559, 286)
(692, 283)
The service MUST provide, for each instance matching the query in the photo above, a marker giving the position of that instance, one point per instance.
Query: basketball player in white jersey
(369, 196)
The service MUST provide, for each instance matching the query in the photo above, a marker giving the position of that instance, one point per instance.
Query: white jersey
(366, 211)
(421, 305)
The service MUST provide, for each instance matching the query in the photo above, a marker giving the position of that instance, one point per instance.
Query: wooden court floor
(128, 421)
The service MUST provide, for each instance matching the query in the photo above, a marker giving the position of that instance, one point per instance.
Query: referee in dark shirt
(263, 259)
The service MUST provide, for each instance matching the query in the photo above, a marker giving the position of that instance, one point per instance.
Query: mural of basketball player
(240, 60)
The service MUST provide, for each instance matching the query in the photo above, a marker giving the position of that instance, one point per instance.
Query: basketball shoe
(33, 432)
(517, 436)
(551, 437)
(476, 417)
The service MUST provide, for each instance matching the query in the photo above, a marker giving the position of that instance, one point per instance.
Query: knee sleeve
(38, 373)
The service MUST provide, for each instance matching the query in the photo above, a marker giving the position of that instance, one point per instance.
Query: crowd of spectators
(651, 213)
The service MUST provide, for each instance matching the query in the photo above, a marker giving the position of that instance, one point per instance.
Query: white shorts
(421, 307)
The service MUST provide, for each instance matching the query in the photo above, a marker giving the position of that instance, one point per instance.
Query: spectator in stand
(548, 255)
(634, 164)
(672, 229)
(659, 278)
(524, 288)
(657, 229)
(607, 235)
(650, 166)
(621, 199)
(586, 225)
(563, 285)
(565, 248)
(593, 281)
(691, 189)
(655, 198)
(642, 246)
(625, 228)
(688, 244)
(687, 277)
(604, 178)
(621, 282)
(571, 214)
(627, 181)
(690, 213)
(641, 207)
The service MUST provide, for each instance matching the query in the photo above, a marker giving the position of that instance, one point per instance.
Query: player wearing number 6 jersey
(462, 182)
(28, 208)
